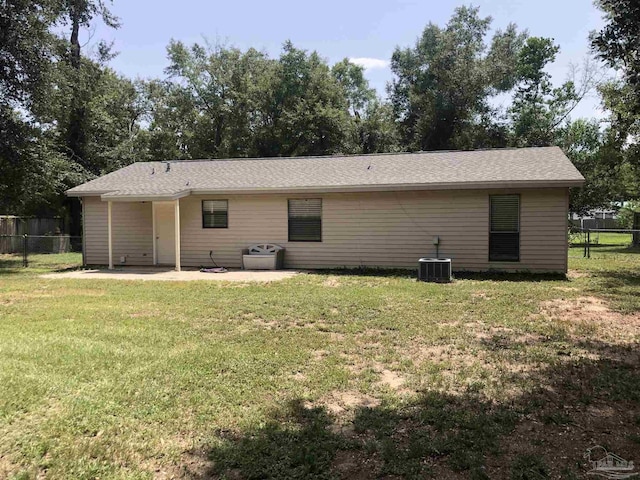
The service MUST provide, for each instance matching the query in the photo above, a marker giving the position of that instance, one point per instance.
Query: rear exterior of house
(509, 225)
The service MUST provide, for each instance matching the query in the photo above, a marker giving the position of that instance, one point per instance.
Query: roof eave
(116, 197)
(395, 187)
(80, 193)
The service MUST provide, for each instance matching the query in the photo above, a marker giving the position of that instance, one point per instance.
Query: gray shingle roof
(499, 168)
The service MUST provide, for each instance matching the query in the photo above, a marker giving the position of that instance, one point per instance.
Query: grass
(38, 263)
(329, 375)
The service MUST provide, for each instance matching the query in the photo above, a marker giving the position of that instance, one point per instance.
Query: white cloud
(370, 63)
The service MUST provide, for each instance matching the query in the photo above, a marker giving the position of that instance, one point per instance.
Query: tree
(214, 91)
(26, 49)
(590, 149)
(538, 109)
(221, 102)
(617, 45)
(77, 14)
(371, 127)
(443, 84)
(306, 111)
(65, 117)
(531, 112)
(24, 62)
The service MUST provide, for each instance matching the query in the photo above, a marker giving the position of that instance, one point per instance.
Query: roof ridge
(349, 155)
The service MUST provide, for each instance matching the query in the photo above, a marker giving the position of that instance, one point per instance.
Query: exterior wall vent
(434, 270)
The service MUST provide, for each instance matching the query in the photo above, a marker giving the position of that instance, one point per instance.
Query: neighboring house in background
(596, 219)
(502, 209)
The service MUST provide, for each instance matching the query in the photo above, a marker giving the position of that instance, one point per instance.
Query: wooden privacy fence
(12, 225)
(12, 230)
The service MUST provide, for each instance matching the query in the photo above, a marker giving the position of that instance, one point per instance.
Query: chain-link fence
(18, 250)
(583, 241)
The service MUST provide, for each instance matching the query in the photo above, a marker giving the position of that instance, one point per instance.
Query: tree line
(67, 117)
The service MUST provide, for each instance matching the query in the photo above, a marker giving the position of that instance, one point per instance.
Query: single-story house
(497, 209)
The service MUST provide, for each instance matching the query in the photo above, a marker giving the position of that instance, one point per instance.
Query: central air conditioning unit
(434, 270)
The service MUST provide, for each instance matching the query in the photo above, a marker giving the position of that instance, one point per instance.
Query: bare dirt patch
(266, 324)
(387, 378)
(589, 319)
(349, 400)
(341, 402)
(577, 274)
(480, 295)
(320, 355)
(6, 467)
(391, 379)
(589, 309)
(331, 282)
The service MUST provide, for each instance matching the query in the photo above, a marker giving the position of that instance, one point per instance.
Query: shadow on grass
(368, 272)
(412, 274)
(542, 433)
(620, 287)
(13, 264)
(616, 249)
(10, 264)
(512, 276)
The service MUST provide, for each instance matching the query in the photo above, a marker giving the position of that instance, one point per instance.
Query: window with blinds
(305, 220)
(504, 230)
(215, 214)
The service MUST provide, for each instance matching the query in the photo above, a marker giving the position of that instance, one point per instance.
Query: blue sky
(336, 29)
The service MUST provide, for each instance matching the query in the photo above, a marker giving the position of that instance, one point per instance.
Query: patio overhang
(143, 197)
(175, 200)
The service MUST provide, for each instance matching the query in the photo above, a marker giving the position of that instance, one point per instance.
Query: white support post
(83, 219)
(110, 235)
(155, 233)
(177, 225)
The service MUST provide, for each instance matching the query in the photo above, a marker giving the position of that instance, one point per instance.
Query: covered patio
(165, 221)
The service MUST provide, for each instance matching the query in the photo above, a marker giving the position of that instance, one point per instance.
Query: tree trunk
(76, 138)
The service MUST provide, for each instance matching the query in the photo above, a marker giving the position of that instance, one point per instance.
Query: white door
(165, 233)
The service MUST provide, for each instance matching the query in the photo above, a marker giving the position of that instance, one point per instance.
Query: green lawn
(320, 376)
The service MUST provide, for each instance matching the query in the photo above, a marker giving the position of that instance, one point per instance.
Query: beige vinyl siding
(378, 229)
(388, 229)
(132, 232)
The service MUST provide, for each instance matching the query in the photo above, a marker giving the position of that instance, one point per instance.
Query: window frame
(202, 212)
(289, 219)
(492, 233)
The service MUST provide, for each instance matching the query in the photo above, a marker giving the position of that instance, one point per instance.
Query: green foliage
(627, 214)
(617, 45)
(538, 108)
(443, 84)
(26, 46)
(66, 117)
(618, 41)
(590, 150)
(221, 102)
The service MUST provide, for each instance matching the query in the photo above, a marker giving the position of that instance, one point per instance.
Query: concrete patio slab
(164, 274)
